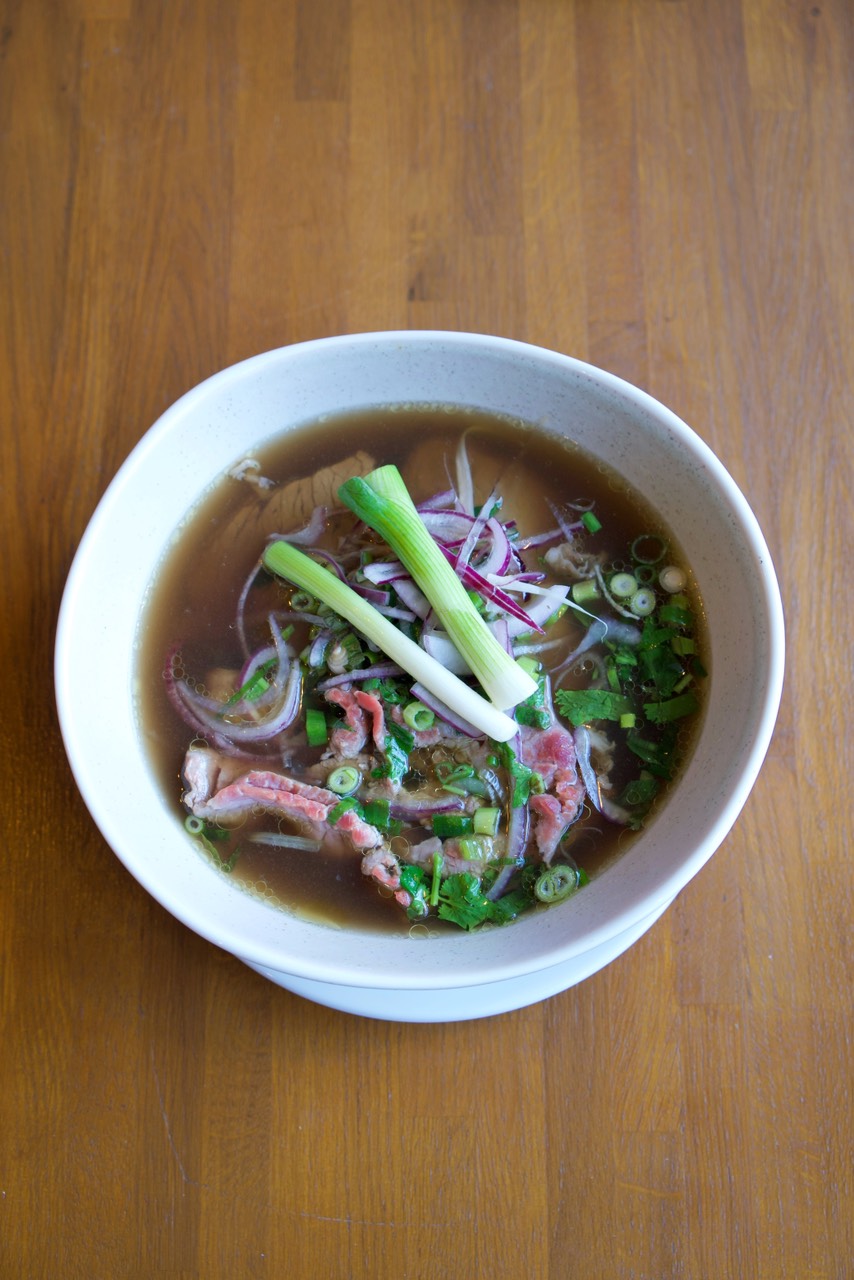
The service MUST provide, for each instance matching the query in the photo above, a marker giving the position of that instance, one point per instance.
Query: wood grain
(663, 187)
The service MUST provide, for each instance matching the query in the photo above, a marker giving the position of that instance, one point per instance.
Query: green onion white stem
(288, 562)
(382, 501)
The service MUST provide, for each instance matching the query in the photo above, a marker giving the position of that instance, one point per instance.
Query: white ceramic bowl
(215, 424)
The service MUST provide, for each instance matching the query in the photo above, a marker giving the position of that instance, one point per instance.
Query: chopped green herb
(377, 813)
(447, 825)
(520, 776)
(675, 615)
(591, 522)
(316, 730)
(412, 880)
(582, 705)
(436, 882)
(674, 709)
(398, 744)
(656, 755)
(641, 791)
(533, 710)
(343, 806)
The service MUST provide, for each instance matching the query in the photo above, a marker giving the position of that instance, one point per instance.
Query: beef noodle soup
(419, 668)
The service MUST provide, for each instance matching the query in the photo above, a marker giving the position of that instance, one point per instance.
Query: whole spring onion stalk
(288, 562)
(382, 501)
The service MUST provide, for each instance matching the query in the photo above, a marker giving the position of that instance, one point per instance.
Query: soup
(419, 666)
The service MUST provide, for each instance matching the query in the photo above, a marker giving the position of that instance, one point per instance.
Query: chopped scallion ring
(584, 592)
(649, 548)
(418, 717)
(642, 602)
(623, 585)
(344, 781)
(556, 883)
(672, 579)
(485, 821)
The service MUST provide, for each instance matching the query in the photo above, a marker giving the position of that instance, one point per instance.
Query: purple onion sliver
(310, 533)
(581, 738)
(257, 660)
(471, 578)
(381, 671)
(517, 838)
(425, 808)
(241, 607)
(382, 571)
(439, 501)
(391, 611)
(448, 526)
(412, 597)
(373, 595)
(539, 540)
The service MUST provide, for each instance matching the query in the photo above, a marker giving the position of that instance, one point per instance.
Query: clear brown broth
(194, 599)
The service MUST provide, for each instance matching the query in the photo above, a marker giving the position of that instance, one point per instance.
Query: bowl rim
(670, 885)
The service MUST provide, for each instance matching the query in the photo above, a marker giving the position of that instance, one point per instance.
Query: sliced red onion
(465, 484)
(240, 622)
(263, 730)
(539, 540)
(310, 533)
(501, 630)
(466, 551)
(494, 595)
(373, 595)
(412, 597)
(518, 825)
(448, 526)
(381, 571)
(380, 671)
(500, 555)
(444, 500)
(444, 712)
(525, 580)
(318, 648)
(568, 530)
(424, 808)
(257, 660)
(581, 737)
(331, 562)
(441, 647)
(392, 611)
(540, 611)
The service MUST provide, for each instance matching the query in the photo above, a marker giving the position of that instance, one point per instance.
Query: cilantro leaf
(582, 705)
(521, 777)
(398, 744)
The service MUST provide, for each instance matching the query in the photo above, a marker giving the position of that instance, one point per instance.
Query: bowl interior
(225, 417)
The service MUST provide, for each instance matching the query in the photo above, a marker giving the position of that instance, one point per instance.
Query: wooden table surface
(662, 187)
